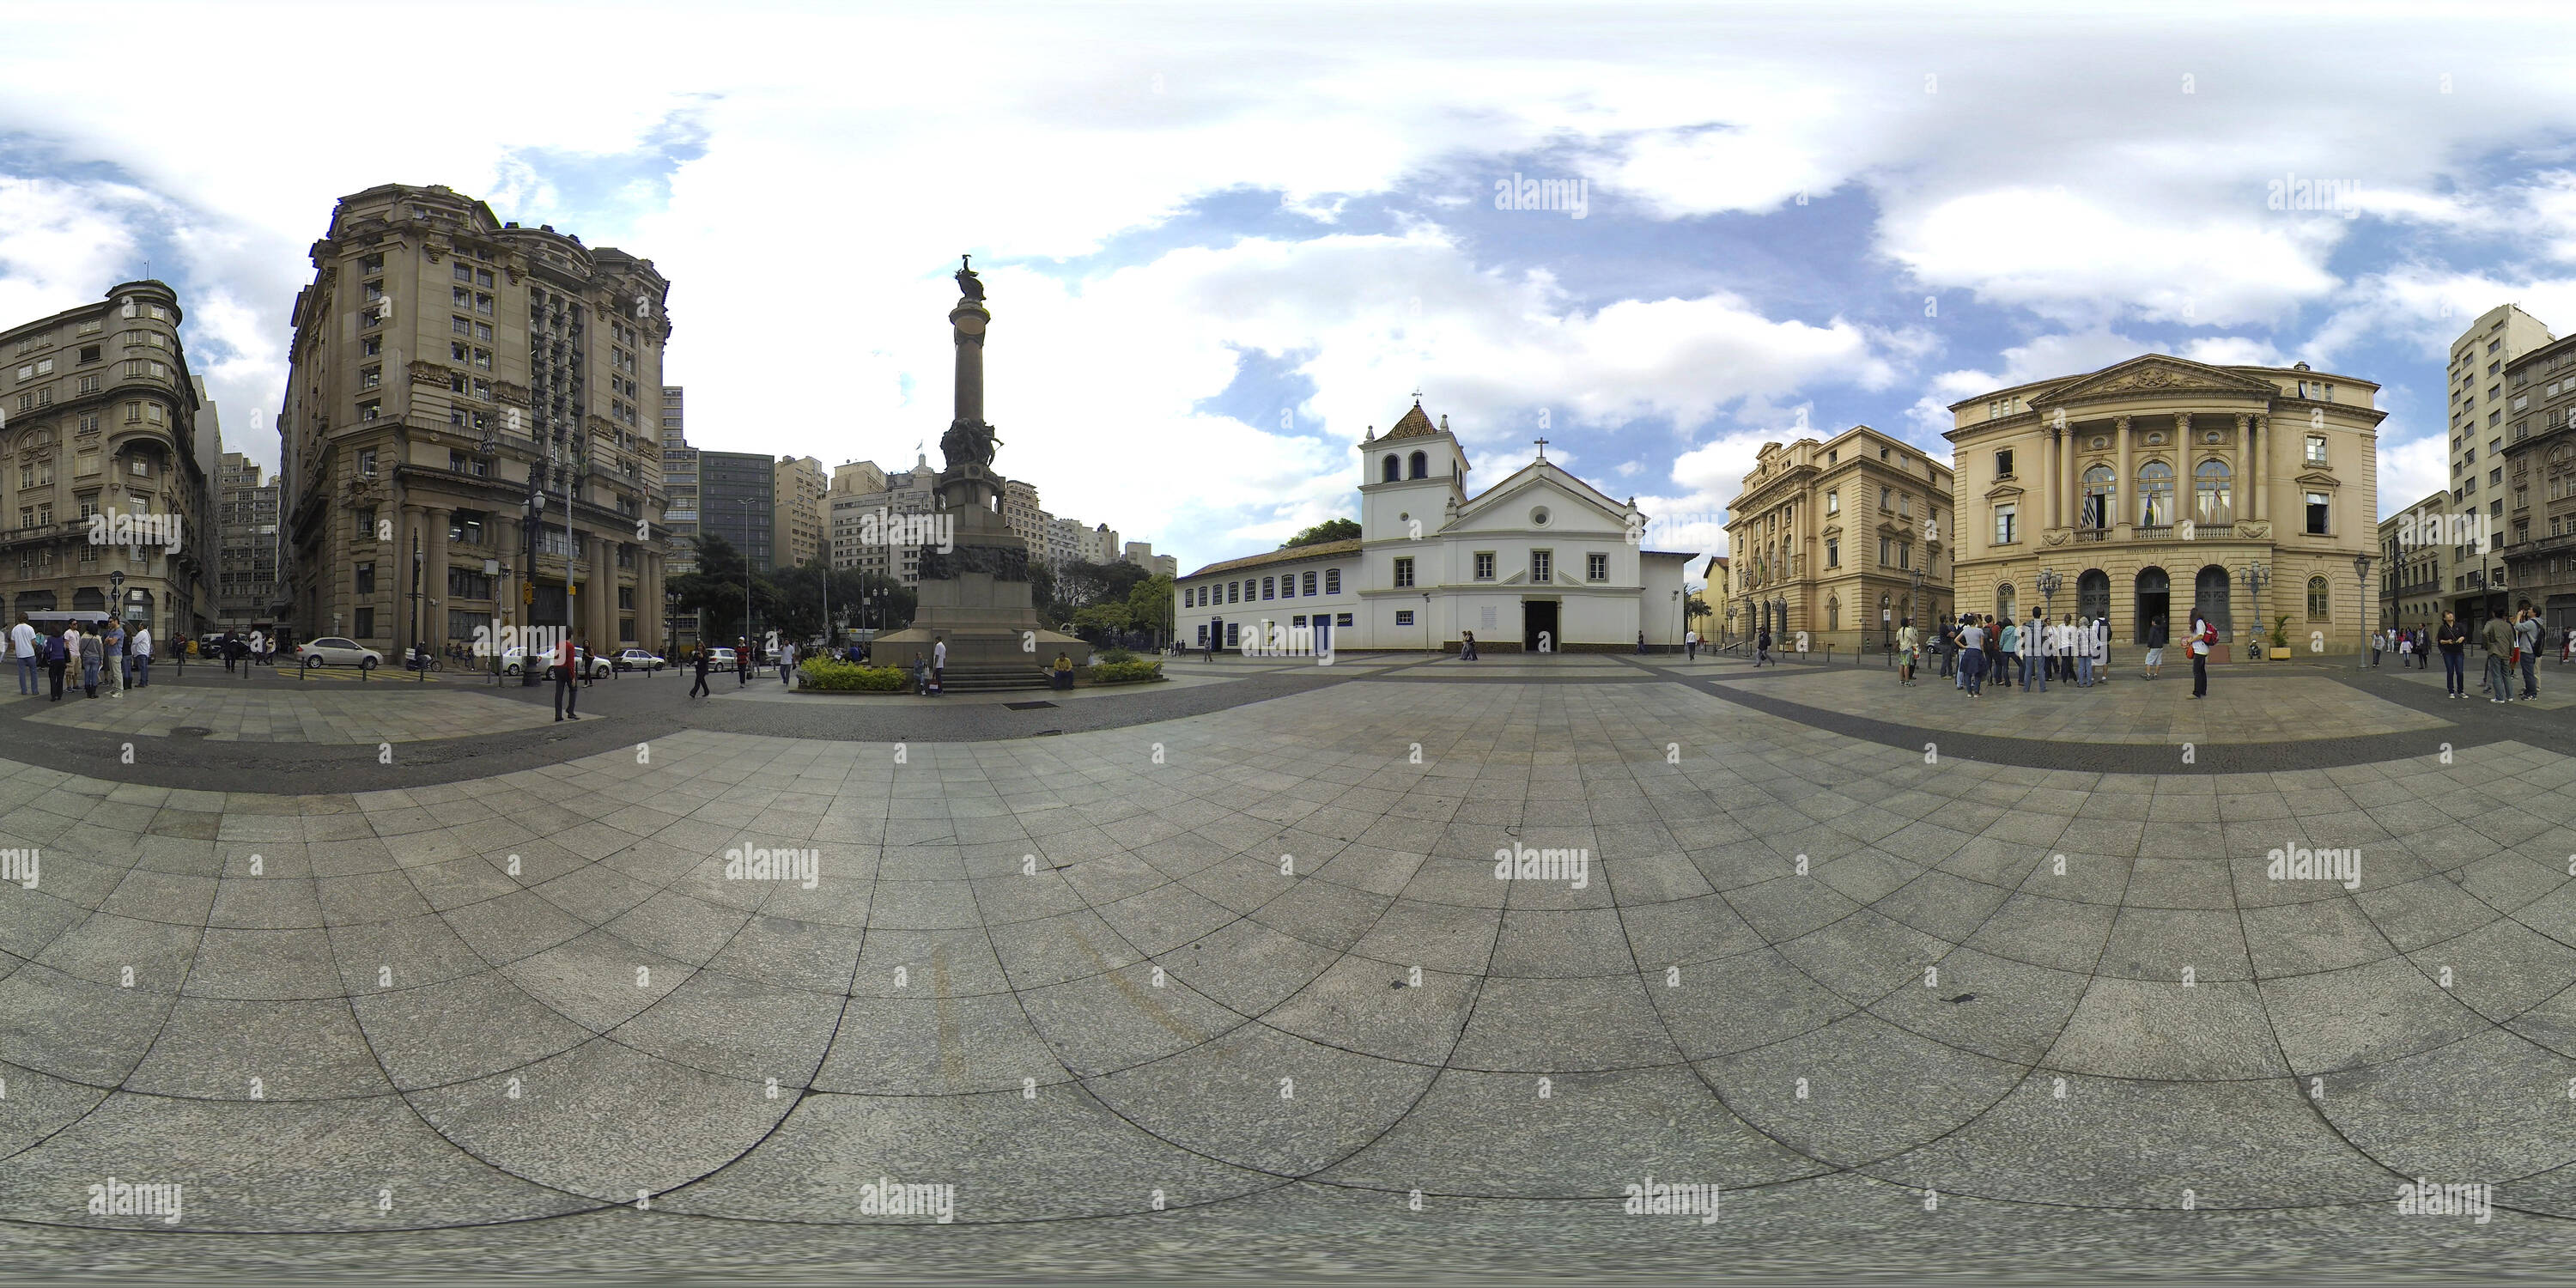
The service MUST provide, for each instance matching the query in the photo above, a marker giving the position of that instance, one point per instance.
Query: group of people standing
(1977, 650)
(103, 654)
(2509, 645)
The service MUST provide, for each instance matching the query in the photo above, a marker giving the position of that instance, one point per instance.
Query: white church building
(1541, 560)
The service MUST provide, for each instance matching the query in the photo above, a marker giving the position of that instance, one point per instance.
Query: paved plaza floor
(1410, 972)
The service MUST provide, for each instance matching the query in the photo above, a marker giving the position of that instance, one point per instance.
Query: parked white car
(636, 659)
(514, 660)
(331, 650)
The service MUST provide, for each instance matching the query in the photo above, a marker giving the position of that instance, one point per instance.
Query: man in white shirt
(142, 656)
(2102, 649)
(24, 636)
(2034, 652)
(1690, 646)
(938, 662)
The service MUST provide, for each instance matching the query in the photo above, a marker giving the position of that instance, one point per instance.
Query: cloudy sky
(1222, 241)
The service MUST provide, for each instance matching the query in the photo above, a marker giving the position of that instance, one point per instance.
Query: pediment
(2002, 493)
(2158, 374)
(2316, 478)
(1507, 507)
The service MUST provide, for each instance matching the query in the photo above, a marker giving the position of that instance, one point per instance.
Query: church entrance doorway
(1538, 626)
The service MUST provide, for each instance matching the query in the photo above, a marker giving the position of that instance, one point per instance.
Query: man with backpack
(2204, 637)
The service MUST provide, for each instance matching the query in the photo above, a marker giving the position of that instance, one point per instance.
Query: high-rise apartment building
(861, 517)
(679, 486)
(1064, 540)
(447, 368)
(1022, 514)
(246, 580)
(797, 513)
(2477, 399)
(103, 423)
(738, 501)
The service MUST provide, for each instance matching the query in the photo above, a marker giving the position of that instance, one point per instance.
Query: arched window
(1394, 469)
(2097, 497)
(2210, 500)
(1833, 613)
(2004, 603)
(2155, 495)
(1421, 466)
(2316, 599)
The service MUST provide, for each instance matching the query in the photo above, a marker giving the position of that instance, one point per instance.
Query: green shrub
(1129, 672)
(828, 675)
(1115, 655)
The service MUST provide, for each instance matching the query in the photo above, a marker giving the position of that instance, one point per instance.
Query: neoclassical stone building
(446, 367)
(2149, 488)
(1844, 540)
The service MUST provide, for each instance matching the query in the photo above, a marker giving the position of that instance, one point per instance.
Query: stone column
(433, 579)
(2256, 441)
(2121, 485)
(603, 589)
(2048, 459)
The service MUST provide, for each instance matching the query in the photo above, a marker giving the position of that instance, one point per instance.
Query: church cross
(1542, 448)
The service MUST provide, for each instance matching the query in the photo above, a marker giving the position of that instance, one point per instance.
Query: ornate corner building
(102, 417)
(1843, 540)
(2163, 488)
(447, 367)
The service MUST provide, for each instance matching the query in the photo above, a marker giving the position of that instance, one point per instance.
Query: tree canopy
(1328, 530)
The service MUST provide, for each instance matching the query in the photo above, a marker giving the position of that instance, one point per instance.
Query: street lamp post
(412, 650)
(533, 518)
(744, 662)
(2361, 572)
(2256, 576)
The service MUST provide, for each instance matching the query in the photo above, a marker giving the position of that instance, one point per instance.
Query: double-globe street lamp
(2256, 576)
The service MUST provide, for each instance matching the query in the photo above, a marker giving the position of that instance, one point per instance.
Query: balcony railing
(2092, 534)
(2153, 532)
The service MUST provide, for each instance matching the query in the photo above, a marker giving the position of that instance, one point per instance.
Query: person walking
(1690, 645)
(2155, 649)
(2497, 641)
(1948, 647)
(2034, 653)
(1909, 642)
(2526, 646)
(1993, 647)
(23, 636)
(2083, 646)
(699, 689)
(90, 655)
(2405, 649)
(58, 654)
(2101, 645)
(786, 662)
(112, 658)
(142, 657)
(2204, 634)
(2010, 650)
(567, 693)
(938, 663)
(1466, 646)
(1761, 648)
(2454, 643)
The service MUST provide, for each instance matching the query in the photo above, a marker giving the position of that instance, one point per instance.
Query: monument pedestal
(975, 597)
